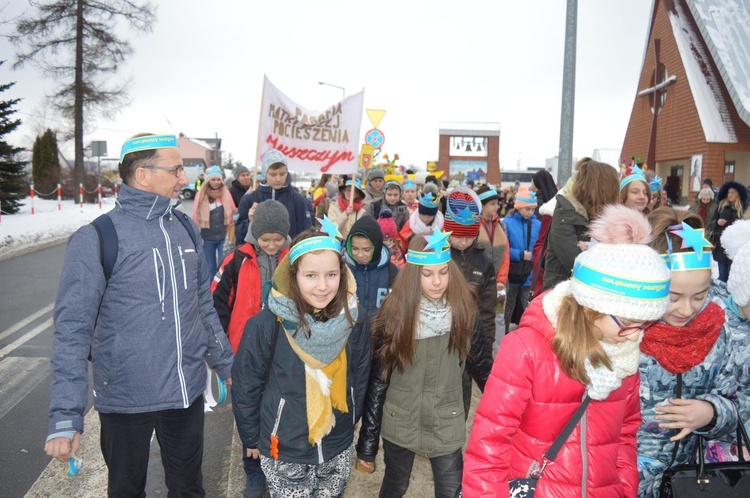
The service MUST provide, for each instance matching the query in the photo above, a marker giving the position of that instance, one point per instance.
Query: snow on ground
(25, 232)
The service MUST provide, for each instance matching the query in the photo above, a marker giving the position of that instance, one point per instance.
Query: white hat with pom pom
(620, 275)
(736, 243)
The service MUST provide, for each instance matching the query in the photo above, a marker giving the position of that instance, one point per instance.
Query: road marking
(26, 337)
(15, 328)
(18, 377)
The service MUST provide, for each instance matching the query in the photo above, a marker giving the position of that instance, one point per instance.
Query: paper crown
(357, 184)
(326, 241)
(636, 173)
(409, 184)
(149, 142)
(694, 238)
(485, 195)
(440, 253)
(655, 184)
(463, 206)
(618, 286)
(429, 200)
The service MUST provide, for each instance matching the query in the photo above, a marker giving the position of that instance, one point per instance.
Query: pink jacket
(526, 403)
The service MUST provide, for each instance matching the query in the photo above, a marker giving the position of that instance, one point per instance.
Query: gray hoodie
(150, 330)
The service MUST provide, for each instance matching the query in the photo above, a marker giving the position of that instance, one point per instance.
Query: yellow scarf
(325, 389)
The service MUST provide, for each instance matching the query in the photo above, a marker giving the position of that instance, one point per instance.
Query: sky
(200, 71)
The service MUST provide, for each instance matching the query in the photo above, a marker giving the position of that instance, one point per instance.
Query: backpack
(108, 241)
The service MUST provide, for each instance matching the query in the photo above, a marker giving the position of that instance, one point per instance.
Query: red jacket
(526, 403)
(237, 291)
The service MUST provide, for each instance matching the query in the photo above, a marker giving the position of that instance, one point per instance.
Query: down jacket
(150, 330)
(525, 407)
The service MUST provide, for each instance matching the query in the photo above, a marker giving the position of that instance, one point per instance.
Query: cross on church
(658, 90)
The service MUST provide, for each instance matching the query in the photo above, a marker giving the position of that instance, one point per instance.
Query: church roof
(725, 28)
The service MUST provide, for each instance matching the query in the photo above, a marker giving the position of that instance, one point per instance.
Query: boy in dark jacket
(278, 187)
(392, 200)
(370, 262)
(462, 211)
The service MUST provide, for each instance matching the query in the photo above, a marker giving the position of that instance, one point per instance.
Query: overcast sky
(200, 71)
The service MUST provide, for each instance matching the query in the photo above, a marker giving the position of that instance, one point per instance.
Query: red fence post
(80, 191)
(32, 199)
(99, 193)
(59, 198)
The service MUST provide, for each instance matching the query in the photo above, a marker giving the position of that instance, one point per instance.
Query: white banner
(312, 141)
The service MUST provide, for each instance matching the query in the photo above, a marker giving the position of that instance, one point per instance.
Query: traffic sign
(375, 138)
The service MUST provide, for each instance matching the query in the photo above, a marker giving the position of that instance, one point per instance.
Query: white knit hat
(620, 275)
(735, 241)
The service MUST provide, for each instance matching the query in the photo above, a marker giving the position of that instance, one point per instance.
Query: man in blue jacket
(149, 329)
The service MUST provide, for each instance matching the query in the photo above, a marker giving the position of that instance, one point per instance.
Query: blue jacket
(374, 279)
(150, 330)
(299, 213)
(517, 229)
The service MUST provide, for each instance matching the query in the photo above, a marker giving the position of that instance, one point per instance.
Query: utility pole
(567, 110)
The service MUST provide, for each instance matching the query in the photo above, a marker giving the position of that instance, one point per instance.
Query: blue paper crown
(618, 286)
(409, 184)
(440, 253)
(655, 184)
(326, 241)
(694, 238)
(484, 195)
(149, 142)
(357, 184)
(428, 200)
(633, 177)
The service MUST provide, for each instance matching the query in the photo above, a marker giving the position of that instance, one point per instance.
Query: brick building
(470, 151)
(701, 93)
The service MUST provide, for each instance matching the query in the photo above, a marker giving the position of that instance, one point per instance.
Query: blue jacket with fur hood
(150, 330)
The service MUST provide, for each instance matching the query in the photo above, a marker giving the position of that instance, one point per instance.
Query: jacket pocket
(396, 423)
(449, 423)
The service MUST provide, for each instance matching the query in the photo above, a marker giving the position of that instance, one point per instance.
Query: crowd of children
(384, 312)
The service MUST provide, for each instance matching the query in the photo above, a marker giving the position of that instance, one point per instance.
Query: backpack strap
(108, 243)
(188, 226)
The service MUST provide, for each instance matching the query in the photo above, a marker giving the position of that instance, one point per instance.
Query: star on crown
(438, 241)
(328, 227)
(694, 238)
(656, 181)
(428, 197)
(635, 170)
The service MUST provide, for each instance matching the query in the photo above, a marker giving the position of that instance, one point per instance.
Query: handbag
(701, 479)
(526, 487)
(519, 271)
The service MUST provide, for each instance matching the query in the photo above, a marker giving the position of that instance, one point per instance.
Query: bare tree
(75, 43)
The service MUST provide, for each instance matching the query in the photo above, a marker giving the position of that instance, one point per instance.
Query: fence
(33, 193)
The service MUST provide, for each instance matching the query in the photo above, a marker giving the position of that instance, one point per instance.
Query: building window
(728, 171)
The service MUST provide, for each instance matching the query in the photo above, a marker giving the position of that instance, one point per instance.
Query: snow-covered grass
(24, 232)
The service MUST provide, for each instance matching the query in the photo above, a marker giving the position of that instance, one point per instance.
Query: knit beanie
(213, 172)
(239, 170)
(270, 217)
(387, 225)
(462, 209)
(619, 274)
(524, 198)
(270, 158)
(392, 184)
(736, 243)
(374, 174)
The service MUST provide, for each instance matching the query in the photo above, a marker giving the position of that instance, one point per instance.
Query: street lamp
(343, 90)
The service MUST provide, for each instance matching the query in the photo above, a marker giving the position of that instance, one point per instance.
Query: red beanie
(387, 225)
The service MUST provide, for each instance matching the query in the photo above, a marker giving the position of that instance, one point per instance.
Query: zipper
(354, 409)
(320, 452)
(274, 432)
(184, 273)
(175, 310)
(160, 282)
(584, 459)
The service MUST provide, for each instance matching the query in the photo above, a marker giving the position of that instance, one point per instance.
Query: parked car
(193, 172)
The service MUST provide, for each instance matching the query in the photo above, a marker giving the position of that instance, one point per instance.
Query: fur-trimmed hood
(740, 188)
(576, 205)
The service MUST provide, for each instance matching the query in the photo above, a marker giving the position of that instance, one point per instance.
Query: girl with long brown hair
(596, 185)
(577, 343)
(213, 211)
(425, 334)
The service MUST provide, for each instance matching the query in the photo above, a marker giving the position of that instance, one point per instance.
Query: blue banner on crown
(632, 289)
(149, 142)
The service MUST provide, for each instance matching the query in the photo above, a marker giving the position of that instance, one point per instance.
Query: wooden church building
(691, 115)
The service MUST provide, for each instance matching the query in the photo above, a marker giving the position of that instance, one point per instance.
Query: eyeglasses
(631, 329)
(177, 170)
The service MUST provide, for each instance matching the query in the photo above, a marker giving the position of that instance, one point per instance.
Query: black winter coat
(261, 399)
(479, 271)
(299, 212)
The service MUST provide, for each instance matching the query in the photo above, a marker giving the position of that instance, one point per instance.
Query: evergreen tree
(13, 185)
(45, 165)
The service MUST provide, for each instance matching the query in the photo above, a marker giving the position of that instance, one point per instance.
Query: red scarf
(702, 212)
(343, 204)
(678, 349)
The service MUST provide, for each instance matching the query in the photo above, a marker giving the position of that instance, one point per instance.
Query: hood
(548, 208)
(144, 204)
(576, 205)
(366, 226)
(724, 190)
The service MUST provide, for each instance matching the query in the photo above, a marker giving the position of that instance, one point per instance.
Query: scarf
(702, 212)
(678, 349)
(418, 226)
(324, 356)
(434, 318)
(622, 356)
(201, 209)
(343, 204)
